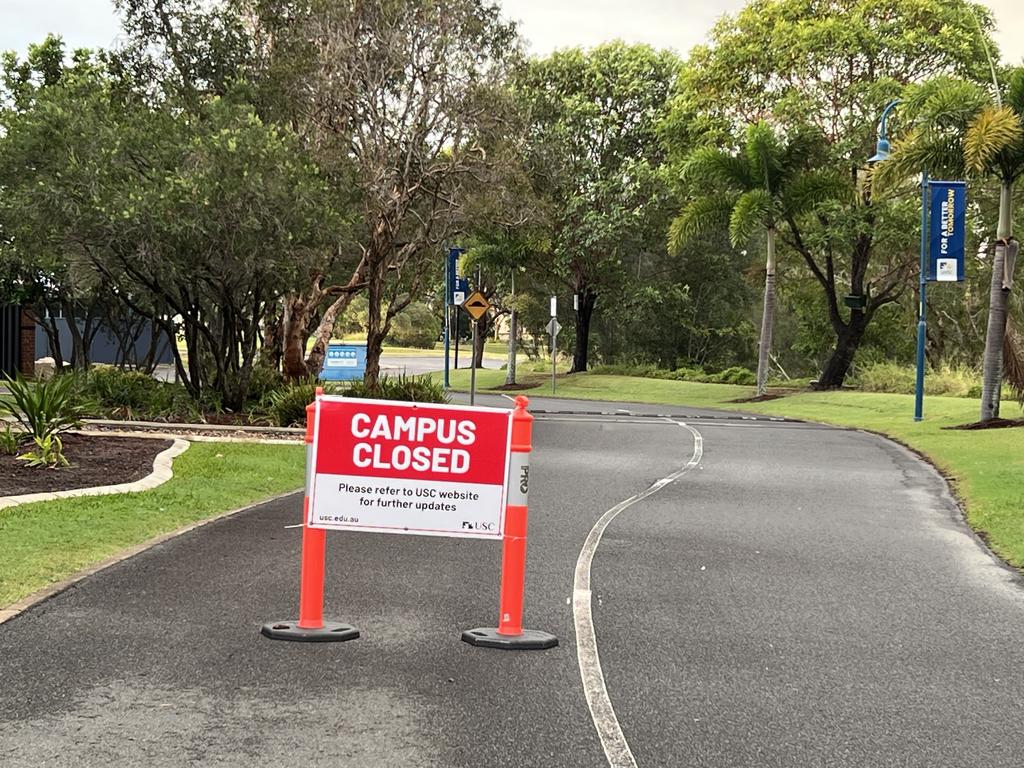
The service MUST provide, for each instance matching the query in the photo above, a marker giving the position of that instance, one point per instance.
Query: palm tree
(765, 181)
(963, 129)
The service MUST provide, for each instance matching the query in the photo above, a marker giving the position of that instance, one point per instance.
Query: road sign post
(553, 328)
(476, 306)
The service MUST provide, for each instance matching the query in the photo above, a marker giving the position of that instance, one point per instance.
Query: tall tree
(594, 153)
(833, 64)
(197, 217)
(965, 128)
(406, 90)
(767, 181)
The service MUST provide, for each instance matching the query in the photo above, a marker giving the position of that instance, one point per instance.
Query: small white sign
(946, 270)
(554, 306)
(459, 298)
(576, 302)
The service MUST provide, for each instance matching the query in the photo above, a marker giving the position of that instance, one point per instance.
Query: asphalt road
(802, 596)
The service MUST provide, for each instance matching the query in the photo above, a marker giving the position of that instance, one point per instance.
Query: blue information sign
(344, 362)
(948, 225)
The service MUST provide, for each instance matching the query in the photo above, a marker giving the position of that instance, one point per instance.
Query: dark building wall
(105, 347)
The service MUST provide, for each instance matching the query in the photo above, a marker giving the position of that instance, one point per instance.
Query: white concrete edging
(161, 474)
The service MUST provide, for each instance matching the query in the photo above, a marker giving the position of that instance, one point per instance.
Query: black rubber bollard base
(530, 640)
(330, 632)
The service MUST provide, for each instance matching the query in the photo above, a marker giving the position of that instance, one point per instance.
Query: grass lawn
(986, 466)
(44, 542)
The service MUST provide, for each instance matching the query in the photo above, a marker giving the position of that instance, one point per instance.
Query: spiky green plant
(42, 408)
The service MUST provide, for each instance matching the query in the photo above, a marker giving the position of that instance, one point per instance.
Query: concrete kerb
(161, 473)
(14, 609)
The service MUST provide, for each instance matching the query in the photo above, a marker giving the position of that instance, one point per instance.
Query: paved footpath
(796, 596)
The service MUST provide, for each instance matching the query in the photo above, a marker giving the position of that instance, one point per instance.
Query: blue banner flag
(948, 225)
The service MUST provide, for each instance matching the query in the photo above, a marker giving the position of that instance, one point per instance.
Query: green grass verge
(986, 466)
(47, 541)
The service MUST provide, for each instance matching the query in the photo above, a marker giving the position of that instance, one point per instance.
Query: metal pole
(922, 307)
(554, 351)
(448, 288)
(472, 368)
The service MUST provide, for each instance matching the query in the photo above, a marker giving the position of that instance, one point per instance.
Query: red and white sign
(434, 470)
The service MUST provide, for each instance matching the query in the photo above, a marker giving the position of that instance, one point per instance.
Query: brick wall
(28, 343)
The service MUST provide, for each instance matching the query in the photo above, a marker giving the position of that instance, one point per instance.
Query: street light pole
(882, 149)
(922, 306)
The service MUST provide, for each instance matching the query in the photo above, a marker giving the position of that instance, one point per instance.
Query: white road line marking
(616, 748)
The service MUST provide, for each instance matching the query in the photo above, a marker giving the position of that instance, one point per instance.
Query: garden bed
(94, 461)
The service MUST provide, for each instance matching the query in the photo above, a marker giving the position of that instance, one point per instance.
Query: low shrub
(735, 375)
(413, 389)
(42, 408)
(124, 394)
(9, 440)
(287, 406)
(899, 379)
(416, 326)
(47, 454)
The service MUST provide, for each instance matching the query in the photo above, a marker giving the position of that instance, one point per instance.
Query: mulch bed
(992, 424)
(94, 461)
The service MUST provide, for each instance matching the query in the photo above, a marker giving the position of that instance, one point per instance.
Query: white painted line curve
(614, 743)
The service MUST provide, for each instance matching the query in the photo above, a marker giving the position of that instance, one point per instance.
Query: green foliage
(42, 408)
(416, 326)
(48, 453)
(113, 393)
(9, 440)
(948, 380)
(287, 406)
(734, 375)
(125, 394)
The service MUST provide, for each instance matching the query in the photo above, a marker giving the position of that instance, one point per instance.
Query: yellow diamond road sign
(476, 305)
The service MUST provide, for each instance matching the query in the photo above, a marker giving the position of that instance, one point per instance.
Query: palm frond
(1015, 90)
(812, 188)
(700, 216)
(710, 165)
(945, 102)
(753, 210)
(992, 130)
(764, 153)
(1013, 360)
(939, 152)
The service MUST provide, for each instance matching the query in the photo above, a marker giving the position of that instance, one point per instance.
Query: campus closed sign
(408, 468)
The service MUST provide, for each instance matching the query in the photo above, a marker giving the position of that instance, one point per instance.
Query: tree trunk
(583, 316)
(992, 375)
(767, 317)
(847, 341)
(483, 329)
(323, 333)
(294, 319)
(513, 331)
(375, 330)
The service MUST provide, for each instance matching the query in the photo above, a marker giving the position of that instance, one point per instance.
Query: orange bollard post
(509, 634)
(310, 627)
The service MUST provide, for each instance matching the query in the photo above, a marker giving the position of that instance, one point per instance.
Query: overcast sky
(547, 24)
